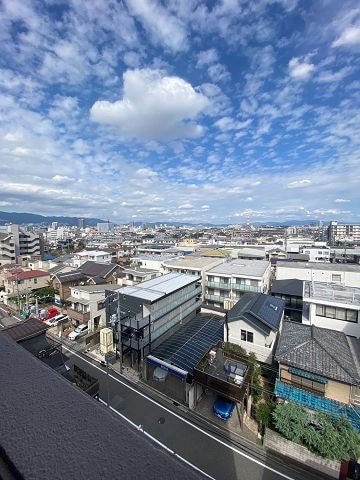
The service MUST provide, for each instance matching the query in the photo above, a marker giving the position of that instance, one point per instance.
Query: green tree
(290, 420)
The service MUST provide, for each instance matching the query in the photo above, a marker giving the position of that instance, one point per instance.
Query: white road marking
(234, 449)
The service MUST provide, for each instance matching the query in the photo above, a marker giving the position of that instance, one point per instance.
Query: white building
(317, 254)
(227, 282)
(98, 256)
(343, 233)
(16, 242)
(88, 305)
(254, 323)
(332, 306)
(344, 274)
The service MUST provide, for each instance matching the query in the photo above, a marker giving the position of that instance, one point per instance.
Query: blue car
(223, 408)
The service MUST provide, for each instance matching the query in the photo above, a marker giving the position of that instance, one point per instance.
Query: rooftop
(249, 268)
(340, 267)
(263, 311)
(321, 351)
(188, 345)
(331, 292)
(193, 262)
(69, 434)
(156, 288)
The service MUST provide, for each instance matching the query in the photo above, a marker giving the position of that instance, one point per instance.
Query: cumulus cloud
(300, 69)
(299, 184)
(154, 107)
(349, 37)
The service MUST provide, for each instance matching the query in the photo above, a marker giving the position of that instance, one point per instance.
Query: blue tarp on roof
(310, 400)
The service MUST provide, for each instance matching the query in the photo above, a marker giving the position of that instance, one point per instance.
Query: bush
(332, 438)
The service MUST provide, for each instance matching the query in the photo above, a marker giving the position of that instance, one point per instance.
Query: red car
(50, 313)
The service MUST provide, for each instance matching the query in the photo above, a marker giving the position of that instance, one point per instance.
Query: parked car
(47, 314)
(79, 331)
(55, 320)
(223, 407)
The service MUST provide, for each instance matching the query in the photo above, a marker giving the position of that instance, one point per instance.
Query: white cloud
(163, 27)
(330, 77)
(349, 37)
(300, 69)
(299, 184)
(207, 57)
(341, 200)
(154, 106)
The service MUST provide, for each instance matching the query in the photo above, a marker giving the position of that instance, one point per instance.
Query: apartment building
(193, 265)
(343, 233)
(332, 306)
(344, 274)
(88, 305)
(227, 282)
(317, 254)
(16, 242)
(150, 311)
(20, 282)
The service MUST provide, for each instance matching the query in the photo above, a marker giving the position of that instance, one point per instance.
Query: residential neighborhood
(220, 331)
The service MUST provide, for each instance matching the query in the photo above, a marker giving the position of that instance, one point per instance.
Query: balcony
(82, 317)
(242, 287)
(218, 285)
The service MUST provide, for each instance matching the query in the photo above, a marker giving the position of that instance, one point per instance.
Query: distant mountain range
(26, 218)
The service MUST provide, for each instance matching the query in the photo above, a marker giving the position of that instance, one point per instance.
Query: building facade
(17, 242)
(150, 311)
(227, 282)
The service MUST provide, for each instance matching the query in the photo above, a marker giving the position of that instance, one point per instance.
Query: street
(177, 430)
(5, 319)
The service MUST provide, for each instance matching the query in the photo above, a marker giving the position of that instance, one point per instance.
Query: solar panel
(189, 344)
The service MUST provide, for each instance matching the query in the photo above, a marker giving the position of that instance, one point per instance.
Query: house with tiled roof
(254, 323)
(90, 273)
(320, 369)
(21, 281)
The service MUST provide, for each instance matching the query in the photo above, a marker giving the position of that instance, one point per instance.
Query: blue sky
(188, 111)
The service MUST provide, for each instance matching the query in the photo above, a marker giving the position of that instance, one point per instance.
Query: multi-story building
(343, 233)
(19, 282)
(332, 306)
(345, 274)
(18, 242)
(317, 254)
(227, 282)
(150, 311)
(192, 265)
(88, 305)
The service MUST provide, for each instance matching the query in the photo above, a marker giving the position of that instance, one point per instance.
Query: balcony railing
(81, 317)
(218, 285)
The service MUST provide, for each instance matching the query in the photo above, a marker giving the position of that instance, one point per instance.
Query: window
(247, 336)
(336, 277)
(35, 280)
(337, 313)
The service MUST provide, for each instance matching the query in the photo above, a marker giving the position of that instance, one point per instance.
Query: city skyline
(192, 112)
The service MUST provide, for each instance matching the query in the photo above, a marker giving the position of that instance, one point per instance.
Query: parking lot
(233, 424)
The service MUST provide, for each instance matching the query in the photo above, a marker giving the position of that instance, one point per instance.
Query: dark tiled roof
(263, 311)
(293, 287)
(96, 269)
(25, 329)
(70, 276)
(69, 434)
(320, 351)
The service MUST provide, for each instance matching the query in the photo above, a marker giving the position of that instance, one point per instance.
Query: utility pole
(119, 330)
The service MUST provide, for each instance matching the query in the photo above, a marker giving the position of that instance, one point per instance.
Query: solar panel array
(188, 345)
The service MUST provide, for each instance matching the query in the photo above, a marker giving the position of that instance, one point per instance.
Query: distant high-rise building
(18, 242)
(105, 227)
(54, 225)
(81, 223)
(343, 233)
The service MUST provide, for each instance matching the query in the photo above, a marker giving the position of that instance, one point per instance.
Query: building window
(336, 277)
(247, 336)
(35, 280)
(337, 313)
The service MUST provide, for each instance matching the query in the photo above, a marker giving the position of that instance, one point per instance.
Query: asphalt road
(179, 431)
(5, 319)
